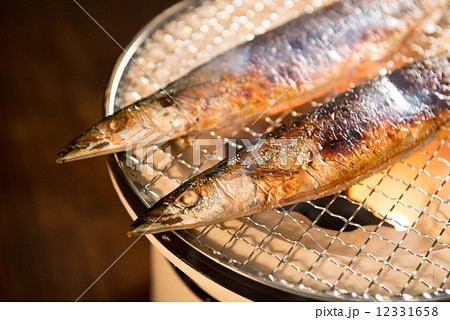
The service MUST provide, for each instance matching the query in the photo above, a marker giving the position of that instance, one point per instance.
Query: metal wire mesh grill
(386, 238)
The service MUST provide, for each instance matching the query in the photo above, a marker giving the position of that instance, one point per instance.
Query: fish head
(150, 121)
(112, 134)
(201, 201)
(183, 208)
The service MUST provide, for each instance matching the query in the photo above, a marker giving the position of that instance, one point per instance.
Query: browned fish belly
(358, 133)
(280, 69)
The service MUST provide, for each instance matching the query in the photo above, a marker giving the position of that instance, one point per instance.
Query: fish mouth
(79, 149)
(157, 219)
(143, 226)
(139, 227)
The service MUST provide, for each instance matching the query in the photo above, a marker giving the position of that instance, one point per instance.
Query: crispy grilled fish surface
(280, 69)
(340, 143)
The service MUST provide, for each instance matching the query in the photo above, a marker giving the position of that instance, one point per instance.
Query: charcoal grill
(385, 239)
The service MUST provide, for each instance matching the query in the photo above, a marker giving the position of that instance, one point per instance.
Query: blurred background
(62, 226)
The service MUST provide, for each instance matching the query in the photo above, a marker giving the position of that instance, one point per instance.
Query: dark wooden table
(62, 226)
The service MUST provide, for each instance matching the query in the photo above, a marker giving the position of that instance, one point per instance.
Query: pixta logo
(150, 152)
(145, 154)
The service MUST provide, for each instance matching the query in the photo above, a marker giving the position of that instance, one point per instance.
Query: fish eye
(166, 102)
(188, 199)
(113, 125)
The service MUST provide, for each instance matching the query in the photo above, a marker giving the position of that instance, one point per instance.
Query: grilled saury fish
(285, 67)
(338, 144)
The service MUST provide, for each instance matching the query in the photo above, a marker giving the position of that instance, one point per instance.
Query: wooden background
(62, 225)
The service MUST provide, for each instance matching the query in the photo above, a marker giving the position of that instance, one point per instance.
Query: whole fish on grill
(337, 145)
(282, 68)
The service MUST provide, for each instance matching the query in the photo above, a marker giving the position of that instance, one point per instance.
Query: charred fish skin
(295, 62)
(277, 70)
(355, 135)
